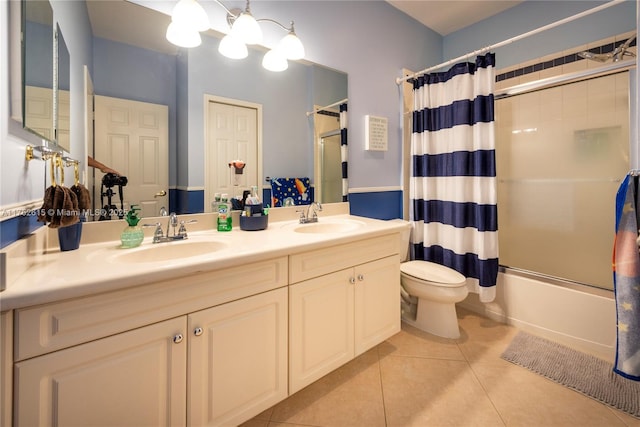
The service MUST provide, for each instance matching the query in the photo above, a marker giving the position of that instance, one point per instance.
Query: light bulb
(190, 13)
(232, 48)
(247, 29)
(291, 47)
(274, 61)
(183, 36)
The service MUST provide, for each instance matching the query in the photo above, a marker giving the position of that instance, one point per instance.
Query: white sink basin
(166, 251)
(324, 226)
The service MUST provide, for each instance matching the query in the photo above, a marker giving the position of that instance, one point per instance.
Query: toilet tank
(405, 237)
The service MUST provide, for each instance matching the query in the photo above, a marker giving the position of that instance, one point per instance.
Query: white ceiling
(445, 17)
(127, 22)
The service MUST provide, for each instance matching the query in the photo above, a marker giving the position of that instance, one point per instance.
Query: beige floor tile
(482, 338)
(524, 398)
(417, 379)
(259, 420)
(287, 425)
(413, 342)
(434, 392)
(626, 418)
(349, 396)
(255, 422)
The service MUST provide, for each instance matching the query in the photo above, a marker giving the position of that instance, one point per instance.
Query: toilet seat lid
(432, 272)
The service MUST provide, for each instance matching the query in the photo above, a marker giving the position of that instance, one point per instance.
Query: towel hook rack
(44, 152)
(68, 161)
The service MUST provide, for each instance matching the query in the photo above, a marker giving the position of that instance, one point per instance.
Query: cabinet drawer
(318, 262)
(45, 328)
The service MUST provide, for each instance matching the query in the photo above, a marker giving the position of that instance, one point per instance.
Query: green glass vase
(131, 236)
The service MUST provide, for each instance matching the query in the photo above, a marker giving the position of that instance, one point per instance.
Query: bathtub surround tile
(563, 62)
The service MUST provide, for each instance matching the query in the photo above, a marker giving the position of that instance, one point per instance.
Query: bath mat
(581, 372)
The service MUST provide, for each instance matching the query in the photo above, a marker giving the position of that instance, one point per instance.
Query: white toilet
(435, 289)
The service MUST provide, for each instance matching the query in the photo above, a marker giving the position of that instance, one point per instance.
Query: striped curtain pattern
(344, 151)
(453, 177)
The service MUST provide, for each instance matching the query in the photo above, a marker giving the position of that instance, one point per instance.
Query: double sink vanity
(211, 330)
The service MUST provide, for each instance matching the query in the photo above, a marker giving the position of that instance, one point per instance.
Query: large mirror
(38, 68)
(204, 87)
(62, 93)
(45, 74)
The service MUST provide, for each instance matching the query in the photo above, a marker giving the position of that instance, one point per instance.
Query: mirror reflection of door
(326, 125)
(86, 174)
(132, 137)
(38, 111)
(330, 167)
(231, 133)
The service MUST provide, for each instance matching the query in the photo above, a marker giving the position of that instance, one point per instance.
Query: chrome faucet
(313, 209)
(172, 222)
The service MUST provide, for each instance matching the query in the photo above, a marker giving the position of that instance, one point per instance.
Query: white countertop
(100, 267)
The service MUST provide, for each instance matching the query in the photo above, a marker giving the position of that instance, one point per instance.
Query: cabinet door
(131, 379)
(320, 327)
(238, 359)
(377, 302)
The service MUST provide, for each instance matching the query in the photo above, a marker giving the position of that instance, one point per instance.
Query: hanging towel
(626, 278)
(84, 197)
(296, 188)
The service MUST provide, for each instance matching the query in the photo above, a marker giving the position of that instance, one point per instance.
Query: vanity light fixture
(188, 18)
(274, 61)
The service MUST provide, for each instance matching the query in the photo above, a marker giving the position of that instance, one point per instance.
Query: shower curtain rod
(511, 40)
(342, 101)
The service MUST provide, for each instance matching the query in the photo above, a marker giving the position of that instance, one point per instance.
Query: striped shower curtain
(453, 176)
(344, 151)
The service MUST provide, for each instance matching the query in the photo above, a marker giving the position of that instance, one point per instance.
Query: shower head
(617, 54)
(600, 57)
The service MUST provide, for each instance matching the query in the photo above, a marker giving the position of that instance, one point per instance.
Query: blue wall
(370, 40)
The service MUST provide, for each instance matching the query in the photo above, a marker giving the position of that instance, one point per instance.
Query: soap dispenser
(132, 235)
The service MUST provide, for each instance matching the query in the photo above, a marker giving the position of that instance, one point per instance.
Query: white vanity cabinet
(210, 345)
(209, 349)
(343, 301)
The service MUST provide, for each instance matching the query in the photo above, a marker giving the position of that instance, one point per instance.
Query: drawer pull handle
(352, 280)
(360, 277)
(197, 332)
(178, 338)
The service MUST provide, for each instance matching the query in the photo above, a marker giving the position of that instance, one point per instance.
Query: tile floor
(417, 379)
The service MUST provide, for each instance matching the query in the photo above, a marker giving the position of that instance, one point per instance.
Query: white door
(132, 137)
(232, 132)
